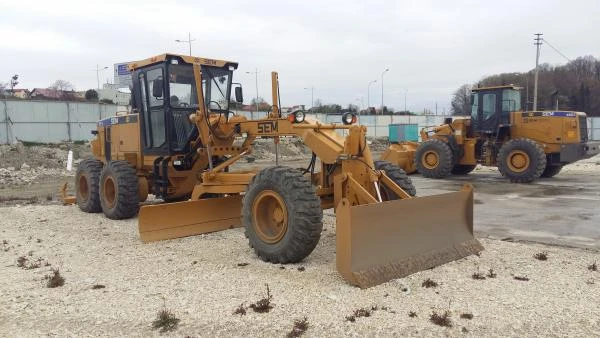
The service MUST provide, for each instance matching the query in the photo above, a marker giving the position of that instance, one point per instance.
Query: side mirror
(239, 96)
(157, 87)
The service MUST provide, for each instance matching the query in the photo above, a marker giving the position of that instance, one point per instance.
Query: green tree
(91, 95)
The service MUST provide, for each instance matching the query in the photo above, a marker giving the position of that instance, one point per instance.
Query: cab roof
(186, 58)
(496, 87)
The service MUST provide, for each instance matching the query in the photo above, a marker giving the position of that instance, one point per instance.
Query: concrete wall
(57, 121)
(51, 121)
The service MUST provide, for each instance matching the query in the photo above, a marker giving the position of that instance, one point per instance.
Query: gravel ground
(202, 281)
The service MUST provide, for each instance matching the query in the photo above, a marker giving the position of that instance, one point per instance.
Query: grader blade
(181, 219)
(383, 241)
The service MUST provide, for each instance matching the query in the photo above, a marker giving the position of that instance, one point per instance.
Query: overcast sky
(337, 47)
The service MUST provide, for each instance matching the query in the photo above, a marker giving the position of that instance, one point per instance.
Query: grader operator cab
(523, 145)
(181, 139)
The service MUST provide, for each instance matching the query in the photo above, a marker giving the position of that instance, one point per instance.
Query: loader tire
(399, 177)
(282, 215)
(87, 188)
(434, 159)
(551, 170)
(521, 160)
(462, 169)
(119, 190)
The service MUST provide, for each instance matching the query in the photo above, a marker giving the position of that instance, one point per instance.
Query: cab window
(489, 105)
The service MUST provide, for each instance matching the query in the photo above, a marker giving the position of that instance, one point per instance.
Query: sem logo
(267, 127)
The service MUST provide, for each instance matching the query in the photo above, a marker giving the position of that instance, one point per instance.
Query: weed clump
(541, 256)
(359, 313)
(241, 310)
(55, 279)
(491, 274)
(412, 314)
(301, 268)
(300, 326)
(478, 276)
(441, 319)
(521, 278)
(264, 305)
(466, 315)
(98, 286)
(593, 267)
(429, 283)
(165, 321)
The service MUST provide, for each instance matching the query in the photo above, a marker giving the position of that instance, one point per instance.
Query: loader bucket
(379, 242)
(181, 219)
(402, 155)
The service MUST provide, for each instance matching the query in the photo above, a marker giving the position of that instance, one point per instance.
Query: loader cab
(491, 108)
(165, 94)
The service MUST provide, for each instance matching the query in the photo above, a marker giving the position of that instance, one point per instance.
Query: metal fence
(51, 121)
(58, 121)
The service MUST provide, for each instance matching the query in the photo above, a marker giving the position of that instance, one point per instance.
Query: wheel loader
(523, 145)
(180, 141)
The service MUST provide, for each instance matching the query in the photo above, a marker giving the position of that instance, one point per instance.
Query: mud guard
(379, 242)
(181, 219)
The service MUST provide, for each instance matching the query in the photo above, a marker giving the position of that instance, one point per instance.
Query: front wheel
(398, 176)
(521, 160)
(282, 215)
(87, 185)
(119, 190)
(434, 159)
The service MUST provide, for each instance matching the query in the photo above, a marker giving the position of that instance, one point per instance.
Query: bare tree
(461, 100)
(64, 89)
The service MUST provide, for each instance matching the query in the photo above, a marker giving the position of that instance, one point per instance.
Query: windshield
(182, 86)
(511, 100)
(216, 84)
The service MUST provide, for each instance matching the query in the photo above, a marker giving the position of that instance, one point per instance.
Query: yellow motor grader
(523, 145)
(180, 140)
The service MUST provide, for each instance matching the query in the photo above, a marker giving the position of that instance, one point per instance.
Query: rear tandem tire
(282, 215)
(119, 190)
(397, 175)
(434, 159)
(462, 169)
(551, 170)
(521, 160)
(86, 185)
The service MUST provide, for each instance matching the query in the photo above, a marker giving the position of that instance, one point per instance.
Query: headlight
(297, 117)
(348, 118)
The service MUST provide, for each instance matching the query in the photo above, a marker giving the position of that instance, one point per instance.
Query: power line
(556, 50)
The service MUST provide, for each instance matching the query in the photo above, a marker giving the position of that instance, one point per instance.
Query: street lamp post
(405, 92)
(255, 72)
(382, 73)
(98, 69)
(369, 94)
(189, 41)
(312, 96)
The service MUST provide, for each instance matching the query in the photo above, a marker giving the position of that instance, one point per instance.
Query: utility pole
(98, 69)
(538, 42)
(405, 92)
(369, 94)
(385, 71)
(189, 41)
(312, 96)
(255, 72)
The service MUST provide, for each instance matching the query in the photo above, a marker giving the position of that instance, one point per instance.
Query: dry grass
(55, 279)
(264, 305)
(165, 321)
(441, 319)
(300, 326)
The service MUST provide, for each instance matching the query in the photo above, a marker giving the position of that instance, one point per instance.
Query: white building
(110, 92)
